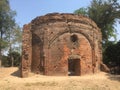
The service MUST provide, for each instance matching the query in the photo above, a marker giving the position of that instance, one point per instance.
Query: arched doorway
(74, 65)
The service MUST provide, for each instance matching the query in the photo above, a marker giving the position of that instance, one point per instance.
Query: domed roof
(63, 17)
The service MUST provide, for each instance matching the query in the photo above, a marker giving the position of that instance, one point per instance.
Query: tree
(7, 22)
(82, 11)
(15, 61)
(14, 38)
(112, 56)
(104, 13)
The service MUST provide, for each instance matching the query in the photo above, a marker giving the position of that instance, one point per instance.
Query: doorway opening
(74, 67)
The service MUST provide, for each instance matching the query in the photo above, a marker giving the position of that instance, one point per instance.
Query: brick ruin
(61, 44)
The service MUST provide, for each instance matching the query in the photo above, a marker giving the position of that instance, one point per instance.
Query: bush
(13, 57)
(112, 56)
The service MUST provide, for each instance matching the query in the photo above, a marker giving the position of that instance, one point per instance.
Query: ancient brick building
(61, 44)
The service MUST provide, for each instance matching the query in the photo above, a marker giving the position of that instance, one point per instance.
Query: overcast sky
(29, 9)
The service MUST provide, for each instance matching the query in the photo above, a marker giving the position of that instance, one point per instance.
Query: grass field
(10, 80)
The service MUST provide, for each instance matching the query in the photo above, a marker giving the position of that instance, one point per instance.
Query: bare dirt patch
(10, 80)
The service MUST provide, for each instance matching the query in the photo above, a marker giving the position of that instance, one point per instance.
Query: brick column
(26, 51)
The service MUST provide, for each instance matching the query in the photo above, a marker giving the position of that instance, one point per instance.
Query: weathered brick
(56, 44)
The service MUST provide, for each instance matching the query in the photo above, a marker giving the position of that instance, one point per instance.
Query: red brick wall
(26, 51)
(52, 44)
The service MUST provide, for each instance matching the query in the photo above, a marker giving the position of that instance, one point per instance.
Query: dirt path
(10, 80)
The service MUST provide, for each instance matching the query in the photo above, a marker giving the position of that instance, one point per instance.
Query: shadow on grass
(113, 77)
(16, 73)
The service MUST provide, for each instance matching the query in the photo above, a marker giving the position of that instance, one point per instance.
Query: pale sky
(29, 9)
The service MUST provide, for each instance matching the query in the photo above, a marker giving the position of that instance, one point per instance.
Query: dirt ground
(10, 80)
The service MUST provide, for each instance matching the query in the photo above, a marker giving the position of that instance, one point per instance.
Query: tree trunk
(11, 57)
(12, 61)
(1, 50)
(0, 58)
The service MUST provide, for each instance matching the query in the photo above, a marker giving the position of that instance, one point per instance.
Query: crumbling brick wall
(26, 51)
(54, 41)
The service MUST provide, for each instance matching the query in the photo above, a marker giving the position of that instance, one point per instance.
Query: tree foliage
(10, 33)
(7, 21)
(81, 11)
(104, 13)
(15, 61)
(112, 55)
